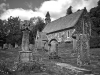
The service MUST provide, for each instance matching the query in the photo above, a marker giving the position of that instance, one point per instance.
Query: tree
(69, 10)
(95, 16)
(2, 33)
(38, 25)
(15, 33)
(99, 3)
(3, 28)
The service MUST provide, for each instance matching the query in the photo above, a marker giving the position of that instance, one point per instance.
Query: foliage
(34, 24)
(4, 70)
(69, 10)
(13, 27)
(33, 67)
(38, 24)
(95, 42)
(3, 32)
(10, 30)
(95, 16)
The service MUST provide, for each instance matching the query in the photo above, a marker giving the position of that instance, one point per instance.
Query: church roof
(65, 22)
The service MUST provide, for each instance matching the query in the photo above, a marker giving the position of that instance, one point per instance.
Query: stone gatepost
(82, 47)
(25, 55)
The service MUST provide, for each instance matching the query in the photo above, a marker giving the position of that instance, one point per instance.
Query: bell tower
(47, 19)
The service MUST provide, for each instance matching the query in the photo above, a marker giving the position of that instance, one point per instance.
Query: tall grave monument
(83, 38)
(26, 55)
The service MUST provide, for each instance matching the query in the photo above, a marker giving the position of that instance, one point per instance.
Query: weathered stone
(53, 52)
(0, 47)
(25, 55)
(5, 46)
(74, 44)
(46, 46)
(39, 44)
(41, 39)
(82, 48)
(10, 46)
(31, 47)
(25, 40)
(16, 45)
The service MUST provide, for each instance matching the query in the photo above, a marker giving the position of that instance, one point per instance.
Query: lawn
(10, 58)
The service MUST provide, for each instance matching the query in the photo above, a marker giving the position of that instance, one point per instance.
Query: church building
(67, 28)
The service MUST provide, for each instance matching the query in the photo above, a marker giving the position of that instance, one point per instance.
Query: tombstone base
(25, 56)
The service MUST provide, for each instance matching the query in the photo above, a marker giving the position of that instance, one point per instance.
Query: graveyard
(50, 57)
(9, 57)
(68, 45)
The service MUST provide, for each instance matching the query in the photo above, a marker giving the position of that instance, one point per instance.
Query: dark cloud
(29, 4)
(3, 7)
(57, 8)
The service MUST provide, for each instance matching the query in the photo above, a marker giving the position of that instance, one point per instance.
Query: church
(66, 28)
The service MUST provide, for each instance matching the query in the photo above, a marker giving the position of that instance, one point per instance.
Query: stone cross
(25, 40)
(83, 33)
(25, 54)
(82, 48)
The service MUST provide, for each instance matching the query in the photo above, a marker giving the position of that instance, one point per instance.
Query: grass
(10, 57)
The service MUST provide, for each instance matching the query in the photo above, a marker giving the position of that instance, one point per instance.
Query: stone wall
(61, 36)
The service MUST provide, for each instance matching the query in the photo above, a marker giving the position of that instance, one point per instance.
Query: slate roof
(63, 22)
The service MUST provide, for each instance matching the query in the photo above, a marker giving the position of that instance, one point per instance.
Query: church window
(68, 33)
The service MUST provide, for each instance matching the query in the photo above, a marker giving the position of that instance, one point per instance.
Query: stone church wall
(62, 36)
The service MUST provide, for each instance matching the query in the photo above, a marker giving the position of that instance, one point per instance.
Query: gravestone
(0, 47)
(74, 44)
(53, 52)
(5, 46)
(10, 46)
(46, 47)
(16, 45)
(31, 47)
(82, 48)
(25, 55)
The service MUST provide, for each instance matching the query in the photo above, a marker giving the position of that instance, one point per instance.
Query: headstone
(5, 46)
(0, 47)
(16, 45)
(39, 44)
(53, 52)
(46, 47)
(31, 47)
(74, 44)
(10, 46)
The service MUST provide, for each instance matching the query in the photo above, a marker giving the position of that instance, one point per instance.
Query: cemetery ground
(43, 65)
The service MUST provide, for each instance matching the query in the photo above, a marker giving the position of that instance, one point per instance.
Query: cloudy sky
(26, 9)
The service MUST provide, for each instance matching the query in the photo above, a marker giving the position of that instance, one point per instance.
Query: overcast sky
(26, 9)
